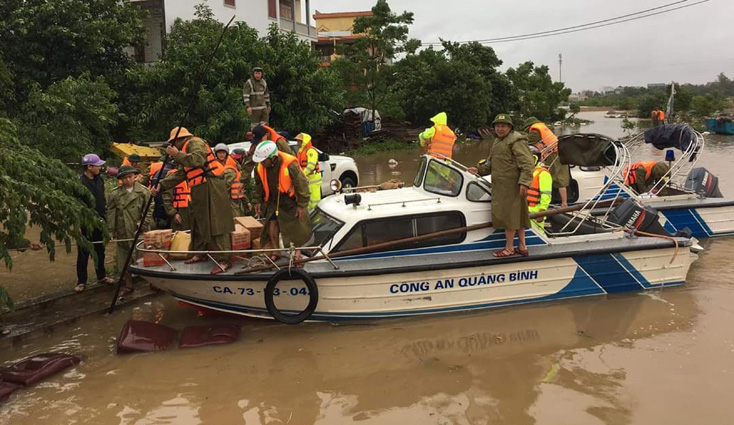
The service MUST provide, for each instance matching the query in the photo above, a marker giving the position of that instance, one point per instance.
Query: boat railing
(259, 254)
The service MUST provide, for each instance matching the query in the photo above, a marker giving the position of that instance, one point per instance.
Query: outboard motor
(701, 181)
(631, 213)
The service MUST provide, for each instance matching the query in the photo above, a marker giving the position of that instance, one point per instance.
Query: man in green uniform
(281, 196)
(232, 177)
(511, 167)
(124, 211)
(539, 193)
(642, 177)
(257, 98)
(540, 136)
(210, 215)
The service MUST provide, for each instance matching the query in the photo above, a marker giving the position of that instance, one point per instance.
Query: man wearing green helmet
(511, 166)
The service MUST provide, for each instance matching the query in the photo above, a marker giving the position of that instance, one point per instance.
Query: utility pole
(560, 67)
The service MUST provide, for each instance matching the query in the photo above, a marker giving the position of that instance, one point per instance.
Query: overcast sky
(690, 45)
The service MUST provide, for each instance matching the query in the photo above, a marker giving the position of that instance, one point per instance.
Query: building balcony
(302, 30)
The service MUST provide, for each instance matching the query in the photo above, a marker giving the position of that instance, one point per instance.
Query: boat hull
(439, 290)
(720, 126)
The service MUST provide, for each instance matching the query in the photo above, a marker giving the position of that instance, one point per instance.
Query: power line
(583, 27)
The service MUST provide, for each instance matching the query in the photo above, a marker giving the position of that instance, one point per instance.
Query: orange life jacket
(181, 193)
(547, 140)
(303, 158)
(534, 192)
(661, 115)
(237, 191)
(442, 142)
(274, 136)
(631, 171)
(197, 175)
(126, 161)
(285, 182)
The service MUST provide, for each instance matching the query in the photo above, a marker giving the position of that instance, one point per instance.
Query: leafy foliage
(707, 105)
(302, 93)
(43, 192)
(46, 41)
(69, 118)
(537, 94)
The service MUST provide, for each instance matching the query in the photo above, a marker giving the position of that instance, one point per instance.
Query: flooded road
(660, 357)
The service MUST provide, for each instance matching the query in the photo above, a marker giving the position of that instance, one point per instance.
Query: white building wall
(252, 12)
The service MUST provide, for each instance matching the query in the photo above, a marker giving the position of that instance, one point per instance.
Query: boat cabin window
(442, 179)
(478, 192)
(323, 227)
(421, 169)
(371, 232)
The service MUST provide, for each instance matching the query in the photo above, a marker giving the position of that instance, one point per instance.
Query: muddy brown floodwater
(660, 357)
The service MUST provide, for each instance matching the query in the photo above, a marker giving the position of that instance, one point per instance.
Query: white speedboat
(687, 198)
(427, 249)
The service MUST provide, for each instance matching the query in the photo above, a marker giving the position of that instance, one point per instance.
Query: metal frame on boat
(426, 249)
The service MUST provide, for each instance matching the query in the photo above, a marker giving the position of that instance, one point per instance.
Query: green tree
(303, 94)
(385, 35)
(651, 100)
(38, 190)
(70, 118)
(537, 94)
(707, 105)
(46, 41)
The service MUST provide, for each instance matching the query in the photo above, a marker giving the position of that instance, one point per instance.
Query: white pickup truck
(335, 167)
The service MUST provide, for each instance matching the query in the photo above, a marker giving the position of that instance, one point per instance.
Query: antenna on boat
(157, 177)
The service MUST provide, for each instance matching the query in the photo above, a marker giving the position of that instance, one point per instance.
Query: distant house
(260, 14)
(335, 29)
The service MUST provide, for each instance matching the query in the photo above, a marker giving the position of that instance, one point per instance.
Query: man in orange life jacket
(281, 195)
(543, 138)
(232, 176)
(439, 139)
(171, 205)
(540, 191)
(210, 214)
(643, 176)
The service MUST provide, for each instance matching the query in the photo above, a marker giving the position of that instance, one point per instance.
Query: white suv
(333, 167)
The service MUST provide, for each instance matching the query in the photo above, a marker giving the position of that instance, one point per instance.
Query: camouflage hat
(125, 170)
(529, 121)
(502, 119)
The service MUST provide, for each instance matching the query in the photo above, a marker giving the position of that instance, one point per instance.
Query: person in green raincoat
(439, 139)
(308, 159)
(511, 166)
(125, 207)
(281, 195)
(210, 215)
(540, 136)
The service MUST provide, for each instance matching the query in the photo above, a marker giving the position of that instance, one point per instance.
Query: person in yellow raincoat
(439, 139)
(308, 159)
(540, 190)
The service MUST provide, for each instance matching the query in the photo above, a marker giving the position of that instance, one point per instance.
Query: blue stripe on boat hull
(685, 217)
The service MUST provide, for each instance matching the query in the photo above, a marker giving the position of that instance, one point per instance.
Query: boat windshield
(323, 227)
(442, 179)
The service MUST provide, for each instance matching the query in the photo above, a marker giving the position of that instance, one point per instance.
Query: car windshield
(323, 227)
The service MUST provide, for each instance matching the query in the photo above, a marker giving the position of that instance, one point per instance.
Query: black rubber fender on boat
(292, 274)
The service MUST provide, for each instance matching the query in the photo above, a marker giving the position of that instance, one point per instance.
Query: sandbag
(37, 368)
(8, 388)
(181, 242)
(199, 336)
(144, 337)
(586, 150)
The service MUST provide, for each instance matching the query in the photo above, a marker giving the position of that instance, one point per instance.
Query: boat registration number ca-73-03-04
(250, 291)
(463, 282)
(404, 287)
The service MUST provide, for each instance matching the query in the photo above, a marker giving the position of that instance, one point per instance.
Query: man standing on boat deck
(281, 195)
(209, 212)
(439, 139)
(540, 191)
(543, 138)
(511, 167)
(308, 159)
(232, 176)
(124, 212)
(257, 98)
(643, 176)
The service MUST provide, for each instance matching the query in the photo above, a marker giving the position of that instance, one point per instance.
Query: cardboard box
(240, 238)
(158, 239)
(152, 259)
(251, 224)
